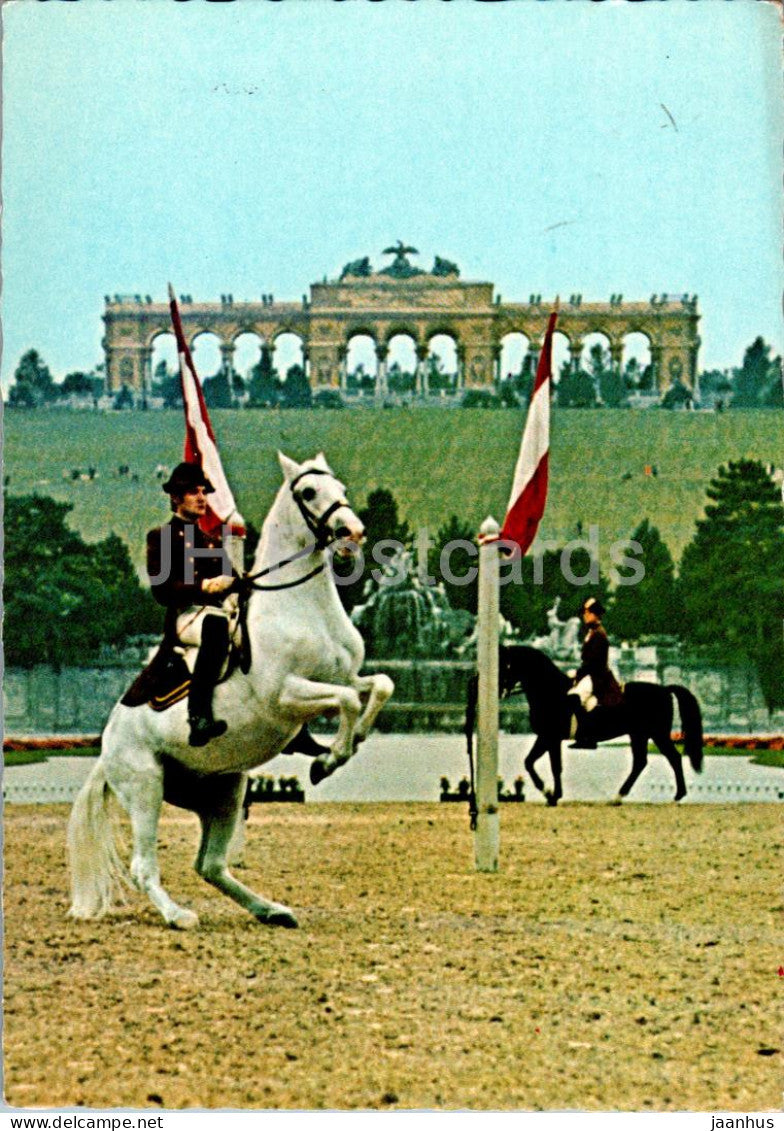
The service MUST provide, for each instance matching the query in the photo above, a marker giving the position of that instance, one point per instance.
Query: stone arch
(365, 330)
(162, 351)
(402, 360)
(360, 364)
(637, 361)
(443, 362)
(514, 348)
(401, 330)
(563, 354)
(247, 346)
(288, 349)
(207, 353)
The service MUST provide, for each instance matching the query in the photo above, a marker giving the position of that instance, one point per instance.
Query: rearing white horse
(306, 655)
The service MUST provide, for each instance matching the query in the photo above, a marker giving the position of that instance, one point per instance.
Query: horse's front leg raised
(307, 698)
(378, 689)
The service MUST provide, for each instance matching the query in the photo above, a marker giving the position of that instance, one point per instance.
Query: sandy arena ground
(624, 958)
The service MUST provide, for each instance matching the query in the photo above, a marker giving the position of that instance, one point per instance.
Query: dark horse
(646, 715)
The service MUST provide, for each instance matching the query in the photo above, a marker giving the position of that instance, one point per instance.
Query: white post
(487, 835)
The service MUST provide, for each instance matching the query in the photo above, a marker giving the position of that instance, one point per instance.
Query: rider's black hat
(187, 477)
(595, 605)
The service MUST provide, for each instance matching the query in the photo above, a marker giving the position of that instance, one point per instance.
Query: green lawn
(437, 462)
(30, 757)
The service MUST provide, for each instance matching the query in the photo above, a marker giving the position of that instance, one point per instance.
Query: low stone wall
(429, 696)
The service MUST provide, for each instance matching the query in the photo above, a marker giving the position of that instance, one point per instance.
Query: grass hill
(436, 462)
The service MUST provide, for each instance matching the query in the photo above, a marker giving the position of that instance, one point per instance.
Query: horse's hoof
(679, 796)
(279, 917)
(550, 798)
(184, 920)
(318, 771)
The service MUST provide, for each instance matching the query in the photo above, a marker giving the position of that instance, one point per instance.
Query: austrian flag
(200, 445)
(529, 489)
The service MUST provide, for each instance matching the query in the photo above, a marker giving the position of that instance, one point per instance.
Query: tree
(77, 384)
(167, 385)
(399, 380)
(64, 597)
(34, 385)
(296, 391)
(217, 390)
(460, 563)
(575, 389)
(757, 383)
(653, 606)
(544, 578)
(731, 577)
(677, 396)
(382, 521)
(264, 388)
(124, 398)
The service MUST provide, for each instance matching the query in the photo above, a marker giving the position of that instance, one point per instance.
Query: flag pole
(487, 834)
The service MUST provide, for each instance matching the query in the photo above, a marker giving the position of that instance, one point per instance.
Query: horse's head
(526, 669)
(320, 498)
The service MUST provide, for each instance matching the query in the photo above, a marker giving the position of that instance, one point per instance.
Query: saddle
(166, 679)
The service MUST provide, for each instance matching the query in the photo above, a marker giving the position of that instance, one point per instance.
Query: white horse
(305, 660)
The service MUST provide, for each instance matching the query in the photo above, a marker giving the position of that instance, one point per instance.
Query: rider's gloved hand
(217, 584)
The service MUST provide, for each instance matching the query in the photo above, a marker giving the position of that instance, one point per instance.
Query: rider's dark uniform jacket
(169, 587)
(595, 657)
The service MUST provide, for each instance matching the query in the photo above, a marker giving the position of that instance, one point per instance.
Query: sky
(254, 147)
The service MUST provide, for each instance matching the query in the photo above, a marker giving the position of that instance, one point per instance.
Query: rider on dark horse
(192, 577)
(594, 683)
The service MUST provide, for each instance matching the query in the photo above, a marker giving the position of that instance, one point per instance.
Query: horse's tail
(472, 697)
(691, 720)
(98, 876)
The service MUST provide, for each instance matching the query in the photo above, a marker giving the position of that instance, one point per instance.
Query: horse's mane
(522, 663)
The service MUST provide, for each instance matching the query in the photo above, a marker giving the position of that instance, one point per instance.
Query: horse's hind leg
(672, 754)
(639, 762)
(533, 756)
(378, 689)
(140, 792)
(218, 819)
(555, 794)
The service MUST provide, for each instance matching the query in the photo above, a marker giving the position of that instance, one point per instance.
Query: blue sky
(255, 147)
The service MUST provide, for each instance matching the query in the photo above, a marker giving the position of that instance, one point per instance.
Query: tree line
(757, 383)
(65, 598)
(727, 597)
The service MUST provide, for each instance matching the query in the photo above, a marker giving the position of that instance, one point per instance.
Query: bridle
(316, 524)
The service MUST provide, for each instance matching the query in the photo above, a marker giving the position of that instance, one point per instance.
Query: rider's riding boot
(209, 661)
(304, 743)
(583, 739)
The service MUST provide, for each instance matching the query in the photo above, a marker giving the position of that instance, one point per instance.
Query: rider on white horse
(192, 577)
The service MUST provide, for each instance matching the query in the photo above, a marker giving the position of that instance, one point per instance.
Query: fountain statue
(400, 617)
(562, 641)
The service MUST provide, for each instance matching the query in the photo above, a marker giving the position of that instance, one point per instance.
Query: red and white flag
(529, 489)
(200, 445)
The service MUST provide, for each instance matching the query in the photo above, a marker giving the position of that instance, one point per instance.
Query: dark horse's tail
(692, 724)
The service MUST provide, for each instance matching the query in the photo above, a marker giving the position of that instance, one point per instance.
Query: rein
(249, 579)
(317, 525)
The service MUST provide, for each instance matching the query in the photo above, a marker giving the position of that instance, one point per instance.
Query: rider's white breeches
(191, 622)
(584, 691)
